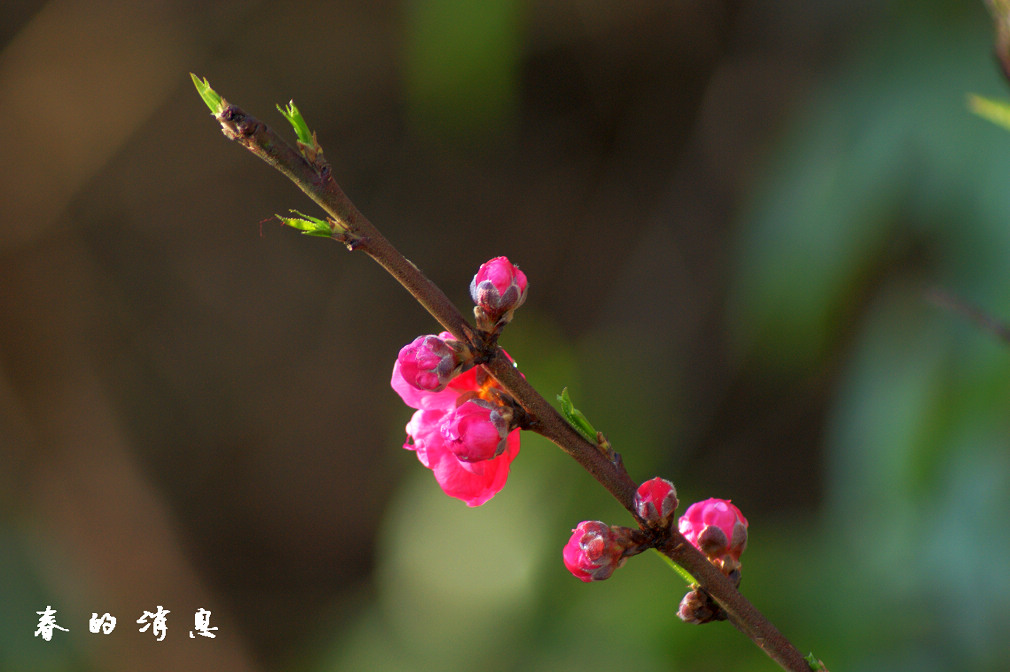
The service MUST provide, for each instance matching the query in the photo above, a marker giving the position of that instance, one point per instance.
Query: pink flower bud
(716, 528)
(476, 430)
(428, 363)
(472, 482)
(498, 288)
(404, 380)
(655, 502)
(593, 552)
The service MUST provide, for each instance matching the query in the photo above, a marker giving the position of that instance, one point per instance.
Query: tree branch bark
(313, 177)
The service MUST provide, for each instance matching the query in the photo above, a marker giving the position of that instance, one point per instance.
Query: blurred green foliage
(883, 185)
(23, 595)
(462, 62)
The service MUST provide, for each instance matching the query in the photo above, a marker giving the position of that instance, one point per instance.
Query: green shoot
(210, 96)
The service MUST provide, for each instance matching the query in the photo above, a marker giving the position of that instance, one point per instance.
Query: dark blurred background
(730, 213)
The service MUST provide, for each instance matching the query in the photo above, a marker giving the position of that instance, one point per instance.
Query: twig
(973, 313)
(740, 611)
(318, 184)
(312, 175)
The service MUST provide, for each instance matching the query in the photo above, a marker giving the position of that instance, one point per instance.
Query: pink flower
(498, 288)
(655, 502)
(465, 442)
(474, 482)
(593, 552)
(716, 528)
(476, 430)
(428, 363)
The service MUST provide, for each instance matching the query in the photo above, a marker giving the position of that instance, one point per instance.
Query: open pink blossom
(474, 482)
(715, 527)
(458, 433)
(476, 430)
(593, 552)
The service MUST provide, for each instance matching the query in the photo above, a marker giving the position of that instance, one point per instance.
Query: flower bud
(429, 363)
(476, 430)
(716, 528)
(594, 551)
(698, 607)
(655, 502)
(498, 289)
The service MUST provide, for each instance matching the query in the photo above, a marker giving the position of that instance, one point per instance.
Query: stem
(973, 313)
(313, 177)
(318, 184)
(741, 612)
(552, 425)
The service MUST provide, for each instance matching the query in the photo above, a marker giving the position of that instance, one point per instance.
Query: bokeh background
(730, 213)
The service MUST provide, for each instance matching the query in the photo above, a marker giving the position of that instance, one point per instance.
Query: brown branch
(973, 313)
(315, 180)
(317, 183)
(550, 423)
(740, 611)
(313, 177)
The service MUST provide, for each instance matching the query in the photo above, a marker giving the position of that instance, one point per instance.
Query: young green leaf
(210, 96)
(308, 225)
(575, 416)
(998, 112)
(297, 121)
(815, 664)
